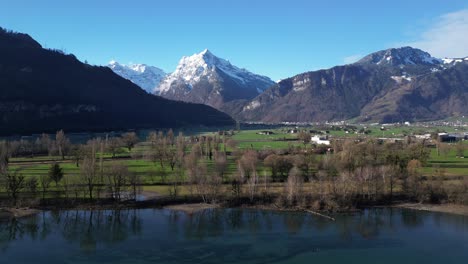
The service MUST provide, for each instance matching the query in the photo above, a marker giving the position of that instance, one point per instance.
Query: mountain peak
(206, 78)
(206, 51)
(400, 56)
(147, 77)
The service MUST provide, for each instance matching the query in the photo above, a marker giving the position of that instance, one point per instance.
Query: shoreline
(455, 209)
(18, 212)
(192, 208)
(197, 206)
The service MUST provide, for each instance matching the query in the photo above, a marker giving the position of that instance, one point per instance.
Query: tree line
(211, 167)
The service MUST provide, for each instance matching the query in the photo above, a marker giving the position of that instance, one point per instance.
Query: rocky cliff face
(391, 85)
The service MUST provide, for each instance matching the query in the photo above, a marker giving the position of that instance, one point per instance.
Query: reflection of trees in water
(412, 218)
(88, 228)
(370, 223)
(203, 224)
(455, 222)
(259, 235)
(27, 227)
(294, 222)
(92, 227)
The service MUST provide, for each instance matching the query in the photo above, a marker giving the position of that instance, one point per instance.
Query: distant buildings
(265, 132)
(452, 137)
(320, 140)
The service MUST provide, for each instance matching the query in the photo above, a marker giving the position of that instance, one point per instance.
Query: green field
(154, 177)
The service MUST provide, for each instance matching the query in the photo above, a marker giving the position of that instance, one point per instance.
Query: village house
(320, 140)
(265, 132)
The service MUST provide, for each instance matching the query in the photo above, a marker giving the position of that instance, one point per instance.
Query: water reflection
(87, 228)
(233, 235)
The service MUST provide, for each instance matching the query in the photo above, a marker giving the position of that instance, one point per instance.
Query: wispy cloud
(352, 58)
(447, 37)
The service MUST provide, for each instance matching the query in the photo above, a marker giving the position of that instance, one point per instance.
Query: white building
(320, 140)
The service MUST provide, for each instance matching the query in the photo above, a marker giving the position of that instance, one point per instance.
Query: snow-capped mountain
(147, 77)
(392, 85)
(205, 78)
(400, 57)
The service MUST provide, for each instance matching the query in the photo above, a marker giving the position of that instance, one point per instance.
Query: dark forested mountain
(205, 78)
(389, 86)
(46, 90)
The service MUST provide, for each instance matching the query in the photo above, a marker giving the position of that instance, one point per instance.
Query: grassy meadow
(155, 177)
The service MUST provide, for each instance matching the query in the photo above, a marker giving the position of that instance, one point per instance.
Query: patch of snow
(252, 105)
(147, 77)
(399, 79)
(323, 82)
(454, 60)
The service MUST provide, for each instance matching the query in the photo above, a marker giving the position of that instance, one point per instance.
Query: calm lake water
(234, 236)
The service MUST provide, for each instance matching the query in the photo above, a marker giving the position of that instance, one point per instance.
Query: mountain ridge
(46, 90)
(145, 76)
(382, 86)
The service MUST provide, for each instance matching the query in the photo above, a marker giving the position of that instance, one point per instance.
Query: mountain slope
(147, 77)
(389, 85)
(45, 90)
(437, 95)
(207, 79)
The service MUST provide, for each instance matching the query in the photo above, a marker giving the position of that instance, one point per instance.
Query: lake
(234, 236)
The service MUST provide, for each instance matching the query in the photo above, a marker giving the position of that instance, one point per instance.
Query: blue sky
(275, 38)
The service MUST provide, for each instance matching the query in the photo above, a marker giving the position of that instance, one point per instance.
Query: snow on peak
(205, 65)
(454, 61)
(147, 77)
(400, 56)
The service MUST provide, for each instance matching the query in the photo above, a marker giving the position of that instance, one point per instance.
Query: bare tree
(248, 165)
(130, 139)
(46, 143)
(88, 174)
(220, 161)
(77, 152)
(4, 156)
(117, 179)
(304, 137)
(170, 137)
(412, 181)
(62, 143)
(171, 156)
(294, 186)
(14, 183)
(135, 184)
(232, 144)
(152, 138)
(45, 183)
(114, 146)
(389, 176)
(191, 162)
(31, 185)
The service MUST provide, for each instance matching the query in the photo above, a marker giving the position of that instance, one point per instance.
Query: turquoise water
(234, 236)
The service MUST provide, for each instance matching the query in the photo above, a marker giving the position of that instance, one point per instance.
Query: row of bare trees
(354, 171)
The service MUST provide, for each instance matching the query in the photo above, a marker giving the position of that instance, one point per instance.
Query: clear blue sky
(275, 38)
